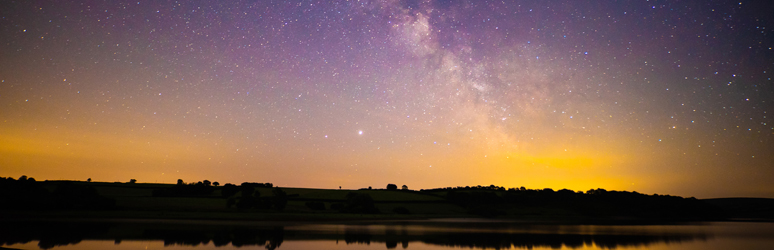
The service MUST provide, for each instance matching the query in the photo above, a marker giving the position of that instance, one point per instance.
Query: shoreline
(252, 218)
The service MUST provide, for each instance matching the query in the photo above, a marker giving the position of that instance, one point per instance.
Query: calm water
(393, 235)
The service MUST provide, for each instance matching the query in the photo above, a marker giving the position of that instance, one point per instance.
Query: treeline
(488, 201)
(479, 187)
(203, 188)
(390, 186)
(28, 194)
(181, 189)
(251, 198)
(494, 201)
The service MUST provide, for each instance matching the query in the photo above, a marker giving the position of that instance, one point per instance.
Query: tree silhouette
(404, 187)
(392, 187)
(359, 203)
(401, 210)
(280, 198)
(247, 200)
(229, 190)
(315, 205)
(247, 191)
(132, 181)
(69, 195)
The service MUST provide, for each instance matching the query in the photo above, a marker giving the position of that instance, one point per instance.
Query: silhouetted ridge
(761, 209)
(493, 201)
(202, 188)
(28, 194)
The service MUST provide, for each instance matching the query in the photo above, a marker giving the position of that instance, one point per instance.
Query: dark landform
(745, 209)
(27, 198)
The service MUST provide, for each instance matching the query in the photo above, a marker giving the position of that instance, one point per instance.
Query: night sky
(668, 97)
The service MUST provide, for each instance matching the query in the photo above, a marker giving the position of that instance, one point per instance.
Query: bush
(337, 206)
(401, 210)
(315, 205)
(359, 204)
(280, 199)
(486, 211)
(229, 190)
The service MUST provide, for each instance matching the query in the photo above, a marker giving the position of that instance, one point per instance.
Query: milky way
(653, 96)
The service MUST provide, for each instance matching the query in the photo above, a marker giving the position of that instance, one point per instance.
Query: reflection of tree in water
(505, 241)
(392, 237)
(357, 238)
(238, 237)
(49, 235)
(501, 241)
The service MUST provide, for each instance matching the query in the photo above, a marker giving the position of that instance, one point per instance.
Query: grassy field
(170, 201)
(136, 200)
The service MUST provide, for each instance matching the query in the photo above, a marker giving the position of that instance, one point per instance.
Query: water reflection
(241, 236)
(501, 241)
(50, 235)
(495, 240)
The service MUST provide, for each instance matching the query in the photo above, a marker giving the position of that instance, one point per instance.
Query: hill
(263, 201)
(749, 209)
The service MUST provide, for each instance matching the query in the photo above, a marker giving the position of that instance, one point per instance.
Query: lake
(416, 235)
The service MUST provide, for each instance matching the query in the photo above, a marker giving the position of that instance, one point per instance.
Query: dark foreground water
(439, 234)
